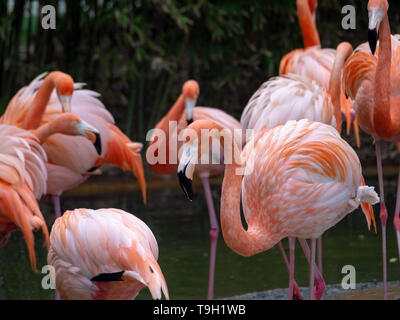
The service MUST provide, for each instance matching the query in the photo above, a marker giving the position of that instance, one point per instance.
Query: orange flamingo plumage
(300, 179)
(373, 82)
(104, 254)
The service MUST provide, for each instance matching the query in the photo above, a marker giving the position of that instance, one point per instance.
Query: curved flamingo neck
(173, 115)
(39, 104)
(384, 126)
(343, 51)
(246, 243)
(307, 24)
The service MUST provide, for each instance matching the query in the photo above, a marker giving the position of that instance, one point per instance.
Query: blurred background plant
(138, 53)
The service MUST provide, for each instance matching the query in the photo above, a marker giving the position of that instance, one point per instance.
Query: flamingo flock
(284, 164)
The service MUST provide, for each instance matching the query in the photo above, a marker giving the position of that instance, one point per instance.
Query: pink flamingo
(296, 180)
(373, 82)
(45, 99)
(183, 112)
(104, 254)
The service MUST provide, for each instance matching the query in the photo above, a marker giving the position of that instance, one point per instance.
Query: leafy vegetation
(138, 53)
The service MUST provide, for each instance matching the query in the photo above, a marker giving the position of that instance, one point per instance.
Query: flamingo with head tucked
(295, 180)
(373, 82)
(104, 254)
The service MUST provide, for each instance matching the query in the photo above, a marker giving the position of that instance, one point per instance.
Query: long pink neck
(384, 127)
(343, 51)
(307, 24)
(39, 104)
(246, 243)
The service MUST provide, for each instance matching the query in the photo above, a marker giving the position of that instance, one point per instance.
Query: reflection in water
(182, 232)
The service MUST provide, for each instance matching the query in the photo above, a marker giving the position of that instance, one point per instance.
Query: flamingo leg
(214, 230)
(382, 215)
(320, 282)
(396, 221)
(319, 243)
(292, 243)
(312, 258)
(57, 210)
(57, 205)
(296, 293)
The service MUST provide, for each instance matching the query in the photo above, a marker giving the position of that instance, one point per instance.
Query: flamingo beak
(185, 183)
(65, 103)
(189, 107)
(91, 133)
(186, 168)
(375, 17)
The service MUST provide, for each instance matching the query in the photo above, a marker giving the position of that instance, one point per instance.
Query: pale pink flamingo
(295, 180)
(45, 99)
(104, 254)
(185, 111)
(373, 82)
(315, 62)
(296, 97)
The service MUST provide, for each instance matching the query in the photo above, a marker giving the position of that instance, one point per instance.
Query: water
(182, 232)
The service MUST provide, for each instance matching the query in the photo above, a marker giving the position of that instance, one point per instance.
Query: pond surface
(182, 231)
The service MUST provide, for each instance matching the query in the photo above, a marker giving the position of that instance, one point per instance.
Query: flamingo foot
(396, 223)
(319, 288)
(296, 292)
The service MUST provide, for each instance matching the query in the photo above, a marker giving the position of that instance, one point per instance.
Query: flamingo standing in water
(300, 179)
(45, 99)
(163, 139)
(104, 254)
(23, 176)
(296, 97)
(315, 62)
(373, 82)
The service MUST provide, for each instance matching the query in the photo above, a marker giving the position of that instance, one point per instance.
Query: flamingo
(104, 254)
(296, 180)
(183, 112)
(296, 97)
(315, 62)
(373, 82)
(45, 99)
(24, 175)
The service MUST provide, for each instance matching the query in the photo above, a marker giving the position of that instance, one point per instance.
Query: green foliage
(138, 53)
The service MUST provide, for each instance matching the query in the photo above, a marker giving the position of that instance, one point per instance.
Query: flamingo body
(86, 243)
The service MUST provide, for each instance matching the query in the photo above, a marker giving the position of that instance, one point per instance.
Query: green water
(184, 246)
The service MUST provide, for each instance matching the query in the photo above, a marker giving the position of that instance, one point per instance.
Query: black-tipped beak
(372, 39)
(189, 121)
(186, 184)
(97, 143)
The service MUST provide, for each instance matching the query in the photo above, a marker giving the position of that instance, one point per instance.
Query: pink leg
(214, 230)
(312, 258)
(382, 215)
(57, 206)
(320, 254)
(292, 243)
(320, 283)
(57, 210)
(296, 293)
(396, 220)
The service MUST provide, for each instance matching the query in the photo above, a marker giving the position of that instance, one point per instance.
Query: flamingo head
(201, 137)
(71, 124)
(65, 89)
(376, 12)
(190, 92)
